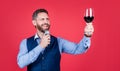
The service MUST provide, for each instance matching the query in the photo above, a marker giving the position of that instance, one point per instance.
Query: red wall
(66, 21)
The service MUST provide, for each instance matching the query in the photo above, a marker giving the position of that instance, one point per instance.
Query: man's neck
(40, 34)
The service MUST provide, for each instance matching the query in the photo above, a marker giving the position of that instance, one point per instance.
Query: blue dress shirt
(25, 58)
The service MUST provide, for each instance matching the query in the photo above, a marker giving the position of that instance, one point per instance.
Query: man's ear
(34, 22)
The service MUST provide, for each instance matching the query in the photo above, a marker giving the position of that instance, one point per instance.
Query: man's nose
(45, 21)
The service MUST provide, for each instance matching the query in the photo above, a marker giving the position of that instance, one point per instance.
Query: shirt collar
(36, 36)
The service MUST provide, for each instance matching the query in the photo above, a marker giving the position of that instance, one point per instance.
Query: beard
(41, 29)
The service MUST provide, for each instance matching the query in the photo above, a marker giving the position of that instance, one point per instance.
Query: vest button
(42, 58)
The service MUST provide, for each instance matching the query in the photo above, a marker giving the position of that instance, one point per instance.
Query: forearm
(83, 45)
(29, 57)
(73, 48)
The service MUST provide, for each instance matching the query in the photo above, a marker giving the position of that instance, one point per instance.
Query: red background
(66, 21)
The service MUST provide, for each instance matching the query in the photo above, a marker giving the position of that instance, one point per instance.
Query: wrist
(87, 35)
(42, 45)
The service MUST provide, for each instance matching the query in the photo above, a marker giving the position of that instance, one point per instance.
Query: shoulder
(23, 41)
(31, 37)
(53, 37)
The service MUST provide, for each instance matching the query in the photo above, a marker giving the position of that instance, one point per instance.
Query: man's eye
(42, 19)
(47, 18)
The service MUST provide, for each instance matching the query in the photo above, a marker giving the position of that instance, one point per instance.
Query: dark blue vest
(47, 61)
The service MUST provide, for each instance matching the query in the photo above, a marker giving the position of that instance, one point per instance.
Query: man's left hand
(89, 29)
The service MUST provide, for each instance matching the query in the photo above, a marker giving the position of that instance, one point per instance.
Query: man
(42, 52)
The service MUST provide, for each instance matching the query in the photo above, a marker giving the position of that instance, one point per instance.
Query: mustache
(45, 24)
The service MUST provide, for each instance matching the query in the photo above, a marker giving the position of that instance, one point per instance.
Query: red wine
(88, 19)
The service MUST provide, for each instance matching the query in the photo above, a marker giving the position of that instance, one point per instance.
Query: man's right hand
(45, 41)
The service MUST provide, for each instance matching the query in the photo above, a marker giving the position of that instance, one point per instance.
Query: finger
(89, 32)
(89, 23)
(47, 36)
(48, 41)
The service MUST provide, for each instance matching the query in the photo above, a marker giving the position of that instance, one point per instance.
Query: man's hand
(89, 29)
(45, 40)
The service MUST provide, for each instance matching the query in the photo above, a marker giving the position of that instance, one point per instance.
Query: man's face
(42, 22)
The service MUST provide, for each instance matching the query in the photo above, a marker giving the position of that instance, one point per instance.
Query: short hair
(35, 13)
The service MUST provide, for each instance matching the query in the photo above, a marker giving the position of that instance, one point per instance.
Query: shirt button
(86, 41)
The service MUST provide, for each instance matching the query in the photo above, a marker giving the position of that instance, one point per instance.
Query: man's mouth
(45, 25)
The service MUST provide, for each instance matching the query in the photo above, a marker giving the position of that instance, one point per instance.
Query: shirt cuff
(87, 42)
